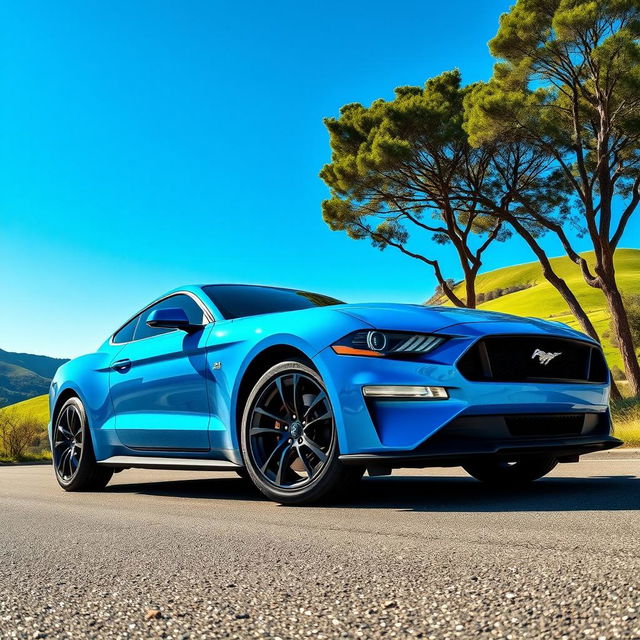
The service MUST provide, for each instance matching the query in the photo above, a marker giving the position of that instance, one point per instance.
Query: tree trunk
(470, 288)
(554, 279)
(622, 331)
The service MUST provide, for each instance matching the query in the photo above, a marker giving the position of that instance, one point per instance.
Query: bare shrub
(17, 433)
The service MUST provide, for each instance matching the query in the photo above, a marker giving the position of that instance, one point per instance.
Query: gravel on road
(429, 554)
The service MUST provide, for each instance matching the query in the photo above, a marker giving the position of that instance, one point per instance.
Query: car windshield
(240, 301)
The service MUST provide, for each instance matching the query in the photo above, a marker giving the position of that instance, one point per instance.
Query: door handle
(122, 366)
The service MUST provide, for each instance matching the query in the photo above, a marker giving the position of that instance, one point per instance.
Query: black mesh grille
(533, 359)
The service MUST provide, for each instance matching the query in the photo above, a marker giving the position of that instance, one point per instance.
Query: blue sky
(146, 145)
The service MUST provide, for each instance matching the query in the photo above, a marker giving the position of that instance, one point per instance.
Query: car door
(158, 383)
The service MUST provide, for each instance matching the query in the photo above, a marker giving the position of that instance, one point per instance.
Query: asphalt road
(433, 554)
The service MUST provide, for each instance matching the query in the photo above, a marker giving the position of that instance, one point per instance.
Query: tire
(74, 462)
(503, 473)
(288, 437)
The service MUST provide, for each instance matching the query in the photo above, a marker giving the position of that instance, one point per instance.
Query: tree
(568, 87)
(516, 169)
(398, 161)
(393, 173)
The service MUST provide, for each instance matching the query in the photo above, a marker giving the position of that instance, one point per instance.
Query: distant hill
(523, 291)
(24, 375)
(42, 365)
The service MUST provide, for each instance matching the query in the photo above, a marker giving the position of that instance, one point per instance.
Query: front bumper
(563, 450)
(413, 430)
(503, 437)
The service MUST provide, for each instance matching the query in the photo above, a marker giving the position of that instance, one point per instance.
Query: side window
(191, 308)
(126, 333)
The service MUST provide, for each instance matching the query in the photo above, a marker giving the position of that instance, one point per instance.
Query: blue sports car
(302, 394)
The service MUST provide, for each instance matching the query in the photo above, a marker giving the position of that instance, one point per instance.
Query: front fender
(88, 378)
(279, 340)
(242, 342)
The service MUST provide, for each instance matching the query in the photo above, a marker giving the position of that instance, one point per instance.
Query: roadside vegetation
(23, 431)
(626, 420)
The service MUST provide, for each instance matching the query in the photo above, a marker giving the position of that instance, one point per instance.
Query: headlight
(386, 343)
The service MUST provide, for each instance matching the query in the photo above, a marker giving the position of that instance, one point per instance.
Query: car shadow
(431, 494)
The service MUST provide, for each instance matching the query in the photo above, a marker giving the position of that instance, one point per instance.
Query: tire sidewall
(77, 404)
(328, 476)
(89, 475)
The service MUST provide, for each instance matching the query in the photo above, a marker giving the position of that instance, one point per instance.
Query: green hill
(541, 300)
(37, 407)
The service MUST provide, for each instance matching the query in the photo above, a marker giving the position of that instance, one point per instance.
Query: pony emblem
(545, 357)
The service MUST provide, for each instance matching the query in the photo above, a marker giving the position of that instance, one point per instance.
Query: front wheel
(518, 472)
(73, 459)
(288, 437)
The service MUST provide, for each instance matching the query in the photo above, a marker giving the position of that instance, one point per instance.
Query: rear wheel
(73, 459)
(289, 440)
(500, 472)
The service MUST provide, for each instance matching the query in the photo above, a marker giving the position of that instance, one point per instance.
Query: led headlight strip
(386, 343)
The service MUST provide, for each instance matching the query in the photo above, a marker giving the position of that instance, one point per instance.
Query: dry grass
(626, 421)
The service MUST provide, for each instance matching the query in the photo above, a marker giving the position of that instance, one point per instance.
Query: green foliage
(377, 170)
(569, 82)
(18, 383)
(403, 171)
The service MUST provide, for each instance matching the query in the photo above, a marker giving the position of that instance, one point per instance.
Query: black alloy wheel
(289, 439)
(67, 442)
(73, 457)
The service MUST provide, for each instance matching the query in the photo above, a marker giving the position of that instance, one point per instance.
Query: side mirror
(171, 319)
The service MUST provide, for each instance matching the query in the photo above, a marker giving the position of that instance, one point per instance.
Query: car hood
(413, 317)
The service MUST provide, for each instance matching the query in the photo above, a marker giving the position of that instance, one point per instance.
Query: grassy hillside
(542, 300)
(37, 407)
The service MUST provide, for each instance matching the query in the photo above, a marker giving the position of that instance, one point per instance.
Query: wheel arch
(63, 396)
(260, 364)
